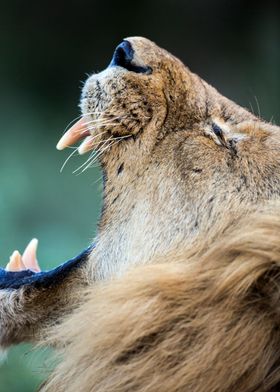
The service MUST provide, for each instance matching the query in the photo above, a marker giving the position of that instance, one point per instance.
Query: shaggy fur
(183, 284)
(198, 324)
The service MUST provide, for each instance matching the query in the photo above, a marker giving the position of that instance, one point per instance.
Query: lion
(180, 290)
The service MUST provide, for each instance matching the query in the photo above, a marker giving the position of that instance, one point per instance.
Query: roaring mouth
(24, 269)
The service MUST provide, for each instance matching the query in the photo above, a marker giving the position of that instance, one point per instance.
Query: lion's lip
(77, 132)
(44, 279)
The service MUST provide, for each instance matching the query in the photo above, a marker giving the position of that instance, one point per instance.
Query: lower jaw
(15, 280)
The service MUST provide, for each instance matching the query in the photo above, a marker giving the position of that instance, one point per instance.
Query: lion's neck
(143, 216)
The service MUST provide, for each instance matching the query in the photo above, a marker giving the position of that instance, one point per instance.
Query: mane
(211, 324)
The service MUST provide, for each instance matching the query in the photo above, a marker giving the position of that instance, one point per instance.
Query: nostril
(123, 57)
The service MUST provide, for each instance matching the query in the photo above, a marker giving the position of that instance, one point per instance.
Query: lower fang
(15, 264)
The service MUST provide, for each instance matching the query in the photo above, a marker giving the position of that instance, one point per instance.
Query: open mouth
(24, 269)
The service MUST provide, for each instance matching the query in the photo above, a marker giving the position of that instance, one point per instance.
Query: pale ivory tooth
(75, 133)
(29, 256)
(86, 145)
(15, 264)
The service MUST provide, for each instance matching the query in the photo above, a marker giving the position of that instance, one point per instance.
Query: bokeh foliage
(46, 50)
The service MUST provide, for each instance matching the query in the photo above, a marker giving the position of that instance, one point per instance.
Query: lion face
(136, 94)
(145, 94)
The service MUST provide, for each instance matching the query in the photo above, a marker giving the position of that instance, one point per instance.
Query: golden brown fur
(183, 285)
(211, 324)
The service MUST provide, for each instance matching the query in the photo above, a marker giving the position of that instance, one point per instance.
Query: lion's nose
(123, 57)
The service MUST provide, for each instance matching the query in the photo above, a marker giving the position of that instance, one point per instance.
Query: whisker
(67, 159)
(92, 159)
(115, 141)
(71, 122)
(98, 179)
(104, 121)
(90, 113)
(258, 106)
(102, 124)
(80, 167)
(97, 154)
(92, 162)
(108, 143)
(102, 149)
(99, 121)
(99, 134)
(96, 112)
(91, 155)
(75, 149)
(72, 147)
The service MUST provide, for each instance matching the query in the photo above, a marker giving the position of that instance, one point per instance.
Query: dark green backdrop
(47, 48)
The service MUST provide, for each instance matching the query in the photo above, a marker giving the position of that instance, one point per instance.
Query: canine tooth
(15, 264)
(29, 256)
(75, 133)
(86, 145)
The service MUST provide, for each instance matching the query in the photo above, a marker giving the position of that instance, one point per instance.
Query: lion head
(176, 155)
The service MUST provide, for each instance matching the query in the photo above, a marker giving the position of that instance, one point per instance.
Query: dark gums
(16, 280)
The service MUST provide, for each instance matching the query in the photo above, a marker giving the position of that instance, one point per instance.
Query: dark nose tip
(123, 55)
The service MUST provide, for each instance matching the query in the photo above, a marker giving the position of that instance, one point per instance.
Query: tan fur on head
(192, 155)
(184, 281)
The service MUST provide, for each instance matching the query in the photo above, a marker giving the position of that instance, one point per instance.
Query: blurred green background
(47, 49)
